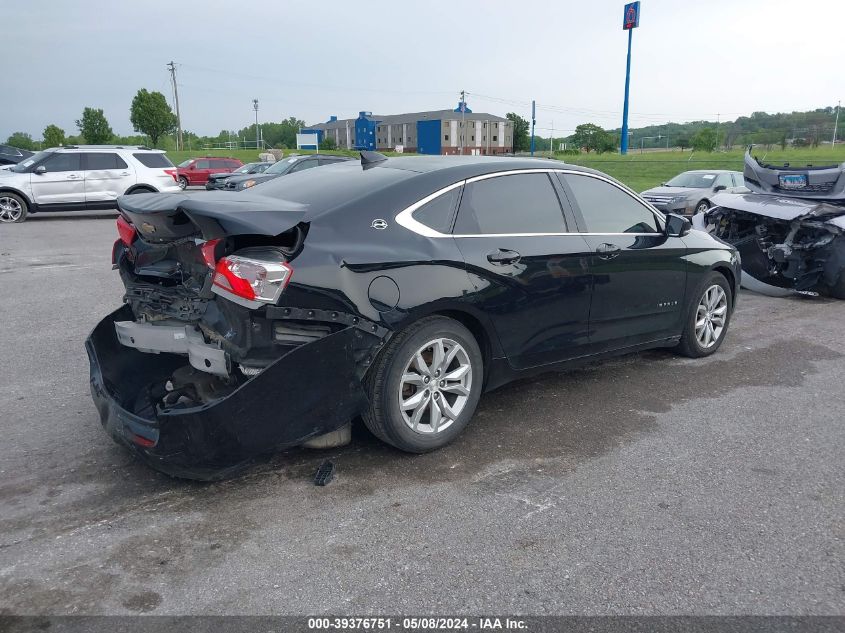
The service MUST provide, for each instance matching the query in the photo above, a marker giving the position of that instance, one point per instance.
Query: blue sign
(631, 20)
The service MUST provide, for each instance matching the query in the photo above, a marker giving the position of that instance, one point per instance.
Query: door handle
(503, 256)
(73, 177)
(608, 251)
(124, 173)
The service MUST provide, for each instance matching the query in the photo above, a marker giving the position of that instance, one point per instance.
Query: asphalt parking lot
(652, 484)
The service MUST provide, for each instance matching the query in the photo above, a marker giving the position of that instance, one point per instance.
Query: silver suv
(80, 177)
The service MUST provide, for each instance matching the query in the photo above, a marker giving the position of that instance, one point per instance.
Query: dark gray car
(284, 166)
(692, 191)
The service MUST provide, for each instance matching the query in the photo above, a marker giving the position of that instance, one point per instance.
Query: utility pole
(533, 121)
(463, 118)
(552, 140)
(835, 125)
(255, 107)
(180, 145)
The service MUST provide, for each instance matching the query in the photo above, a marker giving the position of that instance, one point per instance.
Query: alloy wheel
(10, 209)
(710, 316)
(435, 386)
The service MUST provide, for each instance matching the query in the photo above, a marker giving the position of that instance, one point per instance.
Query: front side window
(302, 165)
(723, 180)
(608, 209)
(96, 161)
(519, 203)
(693, 180)
(203, 164)
(438, 213)
(63, 162)
(739, 180)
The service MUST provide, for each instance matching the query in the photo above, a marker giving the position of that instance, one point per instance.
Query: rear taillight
(173, 174)
(209, 255)
(126, 231)
(254, 280)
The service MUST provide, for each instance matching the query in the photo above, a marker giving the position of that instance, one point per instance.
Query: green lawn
(642, 171)
(638, 171)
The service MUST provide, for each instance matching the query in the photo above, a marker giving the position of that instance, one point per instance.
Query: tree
(328, 143)
(151, 115)
(21, 140)
(94, 127)
(521, 141)
(705, 140)
(682, 142)
(54, 136)
(591, 137)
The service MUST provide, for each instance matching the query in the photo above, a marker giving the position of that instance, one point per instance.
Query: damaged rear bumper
(311, 390)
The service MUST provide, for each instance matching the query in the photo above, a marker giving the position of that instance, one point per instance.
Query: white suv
(82, 177)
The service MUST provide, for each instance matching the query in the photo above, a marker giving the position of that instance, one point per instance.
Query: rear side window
(607, 209)
(739, 180)
(153, 160)
(203, 164)
(521, 203)
(220, 164)
(438, 213)
(95, 161)
(63, 162)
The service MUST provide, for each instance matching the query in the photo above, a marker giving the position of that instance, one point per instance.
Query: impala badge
(379, 224)
(148, 228)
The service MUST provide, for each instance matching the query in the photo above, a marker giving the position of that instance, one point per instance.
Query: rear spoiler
(808, 182)
(165, 217)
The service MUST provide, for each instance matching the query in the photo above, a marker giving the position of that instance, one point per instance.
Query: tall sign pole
(533, 121)
(630, 21)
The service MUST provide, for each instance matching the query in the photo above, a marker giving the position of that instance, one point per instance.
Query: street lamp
(255, 107)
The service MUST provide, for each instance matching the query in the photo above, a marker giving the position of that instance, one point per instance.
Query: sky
(312, 59)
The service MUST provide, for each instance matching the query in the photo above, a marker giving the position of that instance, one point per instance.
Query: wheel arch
(729, 275)
(140, 186)
(31, 206)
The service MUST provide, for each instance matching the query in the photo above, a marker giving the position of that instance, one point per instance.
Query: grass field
(638, 171)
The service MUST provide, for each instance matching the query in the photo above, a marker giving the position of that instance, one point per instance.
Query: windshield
(281, 167)
(692, 179)
(249, 168)
(29, 162)
(185, 163)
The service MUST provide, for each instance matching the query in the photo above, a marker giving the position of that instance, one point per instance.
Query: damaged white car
(790, 232)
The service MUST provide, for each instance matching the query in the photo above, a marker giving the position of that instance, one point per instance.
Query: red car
(195, 171)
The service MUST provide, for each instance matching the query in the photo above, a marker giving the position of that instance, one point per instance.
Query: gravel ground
(651, 484)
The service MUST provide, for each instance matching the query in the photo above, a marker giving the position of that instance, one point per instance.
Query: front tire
(13, 208)
(702, 207)
(425, 385)
(183, 183)
(708, 317)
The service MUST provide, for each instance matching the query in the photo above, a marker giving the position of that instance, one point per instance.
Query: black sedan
(398, 290)
(289, 165)
(218, 181)
(12, 155)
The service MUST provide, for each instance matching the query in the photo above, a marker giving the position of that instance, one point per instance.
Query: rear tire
(140, 190)
(13, 208)
(436, 369)
(183, 182)
(837, 291)
(708, 316)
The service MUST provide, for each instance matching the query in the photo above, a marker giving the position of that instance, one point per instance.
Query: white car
(82, 177)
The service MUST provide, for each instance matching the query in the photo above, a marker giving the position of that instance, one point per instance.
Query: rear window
(153, 160)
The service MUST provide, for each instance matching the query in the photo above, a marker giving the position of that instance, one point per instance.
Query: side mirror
(41, 169)
(719, 188)
(677, 225)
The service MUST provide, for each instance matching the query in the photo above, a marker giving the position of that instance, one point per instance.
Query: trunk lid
(160, 218)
